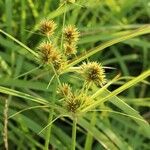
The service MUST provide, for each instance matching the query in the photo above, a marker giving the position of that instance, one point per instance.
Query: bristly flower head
(46, 50)
(77, 102)
(50, 55)
(70, 49)
(74, 102)
(93, 72)
(64, 90)
(71, 34)
(47, 27)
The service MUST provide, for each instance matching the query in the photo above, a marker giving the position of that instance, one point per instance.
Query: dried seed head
(93, 72)
(56, 60)
(71, 34)
(74, 101)
(70, 49)
(50, 55)
(77, 102)
(47, 27)
(46, 50)
(72, 104)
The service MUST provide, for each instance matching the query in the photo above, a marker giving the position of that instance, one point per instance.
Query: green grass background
(113, 32)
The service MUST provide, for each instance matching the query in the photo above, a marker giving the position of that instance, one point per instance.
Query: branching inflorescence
(91, 72)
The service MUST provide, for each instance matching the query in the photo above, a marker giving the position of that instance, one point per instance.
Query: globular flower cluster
(93, 72)
(50, 55)
(47, 27)
(48, 51)
(71, 37)
(73, 101)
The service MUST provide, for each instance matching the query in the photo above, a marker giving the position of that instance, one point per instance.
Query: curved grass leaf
(111, 96)
(12, 92)
(97, 134)
(20, 43)
(119, 90)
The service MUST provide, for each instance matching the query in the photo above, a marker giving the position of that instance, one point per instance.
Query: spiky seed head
(72, 104)
(70, 49)
(56, 60)
(50, 55)
(46, 49)
(71, 34)
(48, 27)
(64, 90)
(93, 72)
(77, 102)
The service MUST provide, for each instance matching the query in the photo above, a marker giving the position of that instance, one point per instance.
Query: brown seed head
(50, 55)
(71, 34)
(77, 102)
(56, 60)
(93, 72)
(70, 49)
(47, 27)
(46, 50)
(72, 104)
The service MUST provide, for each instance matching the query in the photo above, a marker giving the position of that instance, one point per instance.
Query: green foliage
(113, 33)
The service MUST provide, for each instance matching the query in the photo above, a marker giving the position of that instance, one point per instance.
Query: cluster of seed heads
(73, 101)
(92, 72)
(48, 51)
(48, 27)
(71, 37)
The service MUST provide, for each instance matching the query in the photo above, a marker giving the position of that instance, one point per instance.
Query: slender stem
(74, 128)
(32, 70)
(89, 137)
(51, 114)
(57, 77)
(64, 18)
(48, 132)
(5, 132)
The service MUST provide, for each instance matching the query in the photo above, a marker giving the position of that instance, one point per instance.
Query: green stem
(48, 132)
(89, 137)
(57, 77)
(64, 18)
(51, 114)
(74, 128)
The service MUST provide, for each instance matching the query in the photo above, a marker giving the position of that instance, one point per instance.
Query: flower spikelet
(47, 27)
(93, 72)
(50, 55)
(46, 49)
(71, 34)
(74, 102)
(70, 49)
(64, 90)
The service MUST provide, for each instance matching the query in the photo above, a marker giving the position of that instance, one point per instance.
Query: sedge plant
(75, 88)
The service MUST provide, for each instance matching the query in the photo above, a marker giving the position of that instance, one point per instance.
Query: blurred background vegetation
(98, 21)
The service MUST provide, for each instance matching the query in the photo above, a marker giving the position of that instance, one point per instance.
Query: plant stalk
(74, 129)
(51, 114)
(89, 137)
